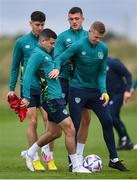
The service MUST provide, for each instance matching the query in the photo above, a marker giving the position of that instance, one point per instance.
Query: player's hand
(24, 103)
(132, 91)
(10, 93)
(105, 98)
(54, 74)
(127, 95)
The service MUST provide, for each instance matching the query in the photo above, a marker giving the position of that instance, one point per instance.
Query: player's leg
(47, 150)
(104, 116)
(115, 105)
(69, 130)
(83, 132)
(32, 124)
(77, 100)
(52, 133)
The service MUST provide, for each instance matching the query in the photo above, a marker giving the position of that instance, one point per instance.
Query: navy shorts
(56, 109)
(65, 88)
(35, 98)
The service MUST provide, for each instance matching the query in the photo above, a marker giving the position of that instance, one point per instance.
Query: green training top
(64, 41)
(90, 61)
(41, 60)
(134, 85)
(22, 51)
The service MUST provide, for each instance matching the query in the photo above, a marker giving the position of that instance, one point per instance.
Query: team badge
(111, 102)
(46, 57)
(107, 68)
(27, 46)
(100, 55)
(63, 95)
(83, 53)
(77, 100)
(65, 111)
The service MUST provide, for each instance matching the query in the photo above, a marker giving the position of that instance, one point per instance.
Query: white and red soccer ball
(93, 163)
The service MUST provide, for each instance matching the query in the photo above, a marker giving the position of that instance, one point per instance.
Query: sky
(120, 16)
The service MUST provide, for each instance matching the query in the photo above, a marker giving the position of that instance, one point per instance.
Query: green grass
(13, 140)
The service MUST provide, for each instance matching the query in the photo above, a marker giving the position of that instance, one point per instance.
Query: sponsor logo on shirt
(68, 40)
(100, 55)
(27, 46)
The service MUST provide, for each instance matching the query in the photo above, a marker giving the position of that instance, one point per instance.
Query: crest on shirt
(100, 55)
(63, 95)
(107, 68)
(27, 46)
(111, 102)
(83, 53)
(65, 111)
(77, 100)
(46, 57)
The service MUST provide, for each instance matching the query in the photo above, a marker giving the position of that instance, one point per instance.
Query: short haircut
(38, 16)
(98, 26)
(75, 10)
(47, 34)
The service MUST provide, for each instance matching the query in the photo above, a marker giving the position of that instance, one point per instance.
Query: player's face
(48, 44)
(37, 27)
(75, 21)
(95, 37)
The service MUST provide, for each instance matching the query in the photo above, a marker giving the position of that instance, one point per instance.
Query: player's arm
(63, 58)
(15, 67)
(32, 66)
(121, 69)
(102, 79)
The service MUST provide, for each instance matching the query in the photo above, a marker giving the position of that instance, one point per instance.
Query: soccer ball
(93, 163)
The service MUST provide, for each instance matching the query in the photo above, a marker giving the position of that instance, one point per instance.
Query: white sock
(114, 160)
(74, 160)
(32, 150)
(36, 157)
(46, 149)
(80, 148)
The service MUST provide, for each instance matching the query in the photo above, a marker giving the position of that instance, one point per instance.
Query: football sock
(32, 150)
(46, 149)
(80, 148)
(114, 160)
(36, 156)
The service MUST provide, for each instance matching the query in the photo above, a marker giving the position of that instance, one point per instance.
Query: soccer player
(64, 41)
(22, 51)
(119, 81)
(53, 102)
(88, 84)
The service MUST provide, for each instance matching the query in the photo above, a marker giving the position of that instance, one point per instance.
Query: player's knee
(56, 135)
(71, 130)
(33, 122)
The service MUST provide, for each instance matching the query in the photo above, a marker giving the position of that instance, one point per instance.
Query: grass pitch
(13, 140)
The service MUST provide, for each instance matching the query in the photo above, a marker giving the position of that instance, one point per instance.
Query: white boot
(28, 159)
(80, 169)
